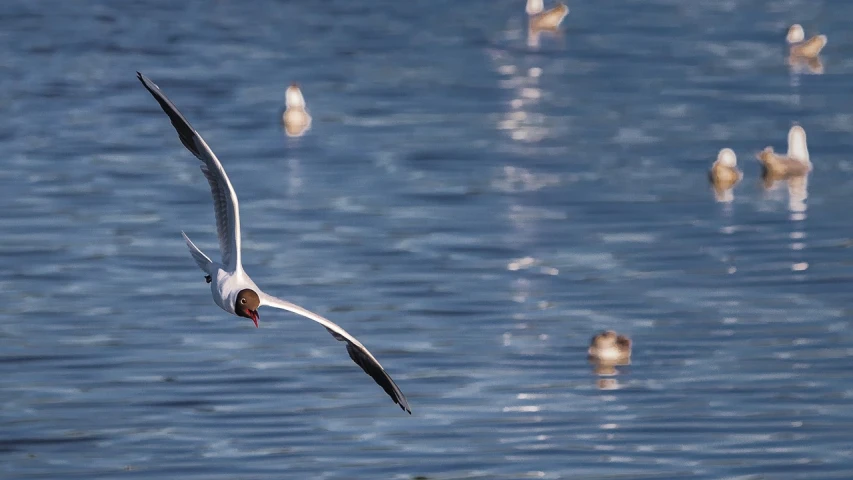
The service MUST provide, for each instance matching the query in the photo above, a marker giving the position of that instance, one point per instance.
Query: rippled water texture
(471, 207)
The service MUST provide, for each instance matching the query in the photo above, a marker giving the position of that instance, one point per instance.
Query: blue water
(471, 207)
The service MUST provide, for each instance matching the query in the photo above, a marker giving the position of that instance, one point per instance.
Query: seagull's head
(247, 304)
(534, 7)
(795, 34)
(293, 97)
(727, 158)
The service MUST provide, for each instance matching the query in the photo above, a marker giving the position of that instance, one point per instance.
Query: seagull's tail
(200, 258)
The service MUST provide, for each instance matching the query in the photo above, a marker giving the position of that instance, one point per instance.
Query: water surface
(470, 207)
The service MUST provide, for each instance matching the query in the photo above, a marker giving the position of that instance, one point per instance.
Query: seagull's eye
(242, 301)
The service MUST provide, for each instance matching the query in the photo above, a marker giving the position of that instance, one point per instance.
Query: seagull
(795, 164)
(724, 175)
(800, 47)
(232, 288)
(296, 119)
(608, 347)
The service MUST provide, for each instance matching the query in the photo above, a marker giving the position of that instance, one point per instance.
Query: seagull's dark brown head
(247, 304)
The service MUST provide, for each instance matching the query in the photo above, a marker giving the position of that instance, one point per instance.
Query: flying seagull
(232, 288)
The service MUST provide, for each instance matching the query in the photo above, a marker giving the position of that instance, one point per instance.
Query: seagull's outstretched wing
(357, 352)
(224, 199)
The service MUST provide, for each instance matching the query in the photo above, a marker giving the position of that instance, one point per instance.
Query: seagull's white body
(228, 279)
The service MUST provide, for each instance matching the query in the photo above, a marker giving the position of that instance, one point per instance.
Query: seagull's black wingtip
(400, 400)
(185, 130)
(403, 403)
(146, 82)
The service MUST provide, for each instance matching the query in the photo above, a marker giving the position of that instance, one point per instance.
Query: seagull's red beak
(254, 315)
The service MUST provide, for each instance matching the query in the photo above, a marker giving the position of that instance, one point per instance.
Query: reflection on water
(796, 187)
(522, 121)
(294, 177)
(798, 243)
(607, 383)
(535, 34)
(723, 195)
(798, 193)
(800, 65)
(516, 179)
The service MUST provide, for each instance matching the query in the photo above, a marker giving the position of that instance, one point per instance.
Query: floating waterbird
(804, 48)
(296, 119)
(608, 347)
(795, 163)
(724, 174)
